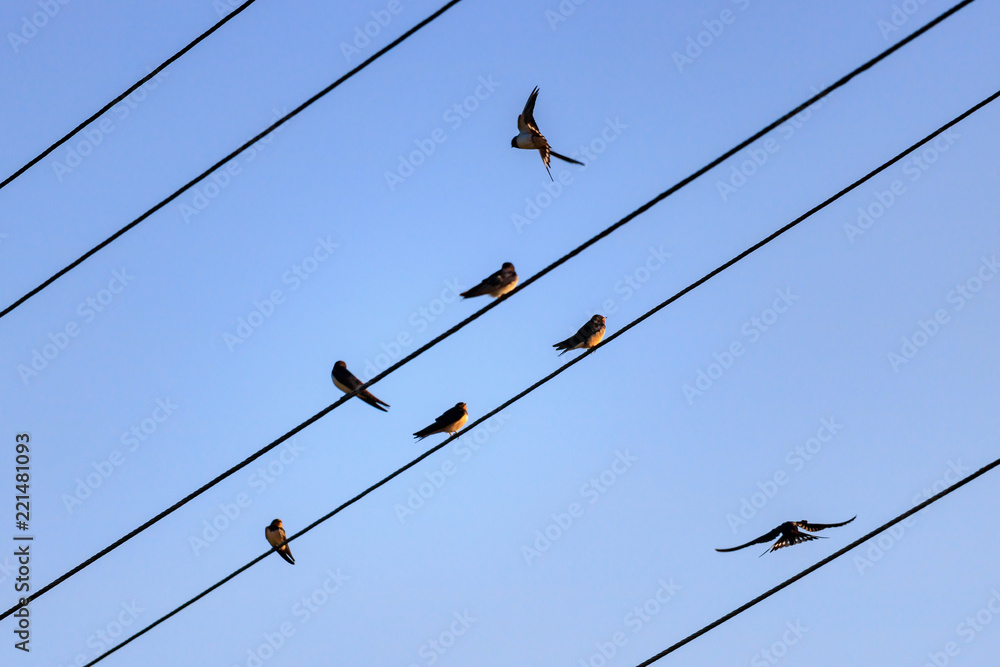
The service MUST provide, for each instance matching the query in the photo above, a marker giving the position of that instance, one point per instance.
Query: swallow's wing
(449, 417)
(485, 287)
(283, 550)
(526, 121)
(767, 537)
(813, 527)
(346, 378)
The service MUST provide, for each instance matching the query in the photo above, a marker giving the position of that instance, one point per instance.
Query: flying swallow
(496, 285)
(790, 534)
(346, 382)
(530, 138)
(589, 335)
(452, 420)
(275, 535)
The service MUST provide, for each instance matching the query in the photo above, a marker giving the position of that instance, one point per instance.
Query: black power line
(708, 276)
(31, 163)
(413, 355)
(816, 566)
(294, 112)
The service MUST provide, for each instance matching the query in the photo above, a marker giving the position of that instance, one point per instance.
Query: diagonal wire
(413, 355)
(564, 367)
(677, 186)
(281, 121)
(135, 86)
(809, 570)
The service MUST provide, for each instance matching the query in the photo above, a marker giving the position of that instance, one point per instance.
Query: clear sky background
(454, 582)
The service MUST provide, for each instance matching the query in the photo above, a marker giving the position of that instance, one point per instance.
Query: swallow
(346, 382)
(275, 535)
(452, 420)
(589, 335)
(530, 138)
(496, 285)
(789, 533)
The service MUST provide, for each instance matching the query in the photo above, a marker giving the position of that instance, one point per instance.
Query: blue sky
(866, 374)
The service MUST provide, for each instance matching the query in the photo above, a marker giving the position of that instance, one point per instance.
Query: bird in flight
(275, 535)
(346, 382)
(530, 138)
(452, 420)
(589, 335)
(496, 285)
(790, 533)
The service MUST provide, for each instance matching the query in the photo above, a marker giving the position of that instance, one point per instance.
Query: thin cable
(128, 92)
(680, 184)
(281, 121)
(413, 355)
(567, 365)
(809, 570)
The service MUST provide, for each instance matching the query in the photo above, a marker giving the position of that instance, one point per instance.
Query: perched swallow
(589, 335)
(346, 382)
(496, 285)
(452, 420)
(275, 535)
(790, 533)
(530, 138)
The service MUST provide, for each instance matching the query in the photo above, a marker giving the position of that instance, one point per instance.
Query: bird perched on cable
(530, 138)
(275, 535)
(589, 335)
(496, 285)
(346, 382)
(789, 533)
(452, 420)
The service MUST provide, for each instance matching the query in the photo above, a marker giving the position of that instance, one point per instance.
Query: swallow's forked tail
(565, 159)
